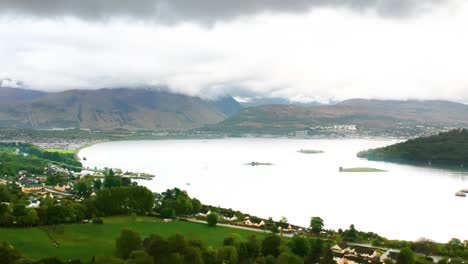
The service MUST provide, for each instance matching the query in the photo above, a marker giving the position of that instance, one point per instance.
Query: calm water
(407, 202)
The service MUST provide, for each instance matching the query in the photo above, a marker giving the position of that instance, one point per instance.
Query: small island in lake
(254, 163)
(310, 151)
(360, 169)
(444, 149)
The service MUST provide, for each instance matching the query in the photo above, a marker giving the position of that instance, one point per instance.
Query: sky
(302, 50)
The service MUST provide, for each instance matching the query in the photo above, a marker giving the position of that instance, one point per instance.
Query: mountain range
(364, 114)
(111, 109)
(159, 109)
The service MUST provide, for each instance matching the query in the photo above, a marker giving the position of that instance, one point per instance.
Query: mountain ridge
(383, 115)
(119, 108)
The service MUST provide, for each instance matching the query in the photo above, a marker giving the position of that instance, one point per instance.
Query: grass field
(64, 151)
(82, 241)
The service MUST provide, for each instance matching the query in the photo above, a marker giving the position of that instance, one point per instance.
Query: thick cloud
(341, 50)
(204, 11)
(324, 54)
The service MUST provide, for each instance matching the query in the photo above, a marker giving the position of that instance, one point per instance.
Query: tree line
(107, 202)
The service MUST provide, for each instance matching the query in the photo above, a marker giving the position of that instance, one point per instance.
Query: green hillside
(450, 148)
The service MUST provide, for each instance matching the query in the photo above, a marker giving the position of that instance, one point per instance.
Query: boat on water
(254, 163)
(461, 194)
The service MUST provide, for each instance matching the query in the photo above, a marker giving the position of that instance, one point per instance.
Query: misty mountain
(228, 105)
(17, 95)
(365, 114)
(275, 101)
(109, 109)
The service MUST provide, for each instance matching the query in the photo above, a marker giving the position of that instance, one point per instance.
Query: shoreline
(87, 145)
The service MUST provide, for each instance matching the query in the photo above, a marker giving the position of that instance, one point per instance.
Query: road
(234, 226)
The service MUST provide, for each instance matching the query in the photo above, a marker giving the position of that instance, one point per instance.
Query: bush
(98, 221)
(127, 242)
(212, 219)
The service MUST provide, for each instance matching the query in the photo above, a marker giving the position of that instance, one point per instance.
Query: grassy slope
(82, 241)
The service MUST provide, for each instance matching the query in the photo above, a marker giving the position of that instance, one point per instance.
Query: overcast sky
(303, 50)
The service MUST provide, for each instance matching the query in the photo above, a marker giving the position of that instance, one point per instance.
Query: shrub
(98, 221)
(212, 219)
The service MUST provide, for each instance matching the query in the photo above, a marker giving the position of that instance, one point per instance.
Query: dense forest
(444, 149)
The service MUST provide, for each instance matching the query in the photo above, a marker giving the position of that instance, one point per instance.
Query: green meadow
(82, 241)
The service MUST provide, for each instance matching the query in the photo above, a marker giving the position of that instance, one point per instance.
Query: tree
(126, 181)
(193, 255)
(454, 245)
(232, 240)
(175, 258)
(6, 218)
(270, 225)
(210, 256)
(167, 212)
(124, 200)
(31, 218)
(288, 258)
(271, 246)
(177, 200)
(177, 243)
(82, 188)
(424, 246)
(4, 194)
(52, 260)
(299, 246)
(228, 254)
(127, 242)
(112, 181)
(351, 234)
(19, 211)
(196, 205)
(158, 248)
(56, 214)
(283, 219)
(97, 184)
(8, 254)
(327, 255)
(406, 256)
(443, 260)
(315, 252)
(108, 260)
(316, 224)
(140, 257)
(212, 219)
(253, 247)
